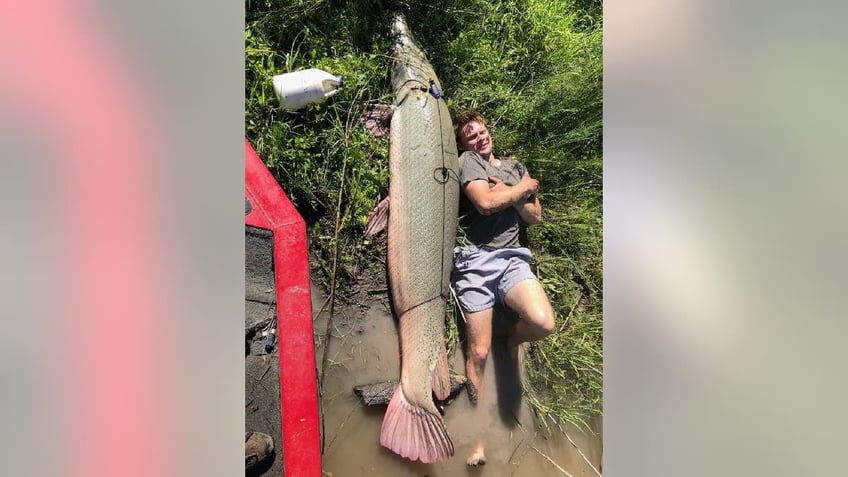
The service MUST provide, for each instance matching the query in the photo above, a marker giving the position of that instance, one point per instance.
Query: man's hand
(527, 205)
(534, 183)
(494, 195)
(529, 185)
(497, 183)
(533, 187)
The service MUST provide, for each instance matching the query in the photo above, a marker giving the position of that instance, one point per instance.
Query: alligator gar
(424, 201)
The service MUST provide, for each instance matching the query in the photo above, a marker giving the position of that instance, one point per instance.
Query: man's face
(475, 137)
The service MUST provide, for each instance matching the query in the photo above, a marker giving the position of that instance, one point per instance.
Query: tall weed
(532, 67)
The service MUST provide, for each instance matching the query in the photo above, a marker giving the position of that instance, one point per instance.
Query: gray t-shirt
(498, 230)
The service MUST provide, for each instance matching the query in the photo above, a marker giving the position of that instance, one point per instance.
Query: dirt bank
(364, 349)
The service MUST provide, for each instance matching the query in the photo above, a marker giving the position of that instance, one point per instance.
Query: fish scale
(424, 202)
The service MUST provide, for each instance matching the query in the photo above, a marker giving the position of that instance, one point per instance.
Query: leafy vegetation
(533, 68)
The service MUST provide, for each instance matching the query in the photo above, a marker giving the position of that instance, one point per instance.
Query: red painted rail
(272, 210)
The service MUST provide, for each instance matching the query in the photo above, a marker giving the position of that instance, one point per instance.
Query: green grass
(532, 67)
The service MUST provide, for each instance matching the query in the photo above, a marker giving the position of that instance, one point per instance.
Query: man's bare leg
(479, 340)
(535, 313)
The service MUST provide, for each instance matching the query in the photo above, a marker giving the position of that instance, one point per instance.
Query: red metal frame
(272, 210)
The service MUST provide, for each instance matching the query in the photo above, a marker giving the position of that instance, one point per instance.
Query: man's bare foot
(477, 457)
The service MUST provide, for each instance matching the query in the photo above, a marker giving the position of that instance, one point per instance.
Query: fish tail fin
(441, 374)
(414, 432)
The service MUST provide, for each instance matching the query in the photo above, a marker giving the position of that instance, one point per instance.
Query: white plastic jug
(296, 90)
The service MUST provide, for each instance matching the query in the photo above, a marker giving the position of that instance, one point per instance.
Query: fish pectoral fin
(376, 118)
(414, 432)
(441, 374)
(378, 219)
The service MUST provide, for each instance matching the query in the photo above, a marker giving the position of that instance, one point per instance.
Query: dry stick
(578, 449)
(456, 300)
(332, 297)
(576, 302)
(551, 461)
(514, 451)
(325, 355)
(265, 372)
(339, 430)
(518, 464)
(326, 300)
(526, 450)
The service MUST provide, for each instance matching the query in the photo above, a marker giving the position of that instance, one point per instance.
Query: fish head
(404, 41)
(410, 66)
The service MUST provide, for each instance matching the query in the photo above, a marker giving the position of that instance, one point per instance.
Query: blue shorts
(482, 277)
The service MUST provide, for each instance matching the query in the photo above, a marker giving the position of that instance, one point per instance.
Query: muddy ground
(363, 348)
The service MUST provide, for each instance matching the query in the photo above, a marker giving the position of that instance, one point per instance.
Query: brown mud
(364, 349)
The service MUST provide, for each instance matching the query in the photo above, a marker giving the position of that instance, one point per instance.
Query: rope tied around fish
(443, 174)
(431, 88)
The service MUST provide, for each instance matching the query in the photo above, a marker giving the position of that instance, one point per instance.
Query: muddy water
(364, 349)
